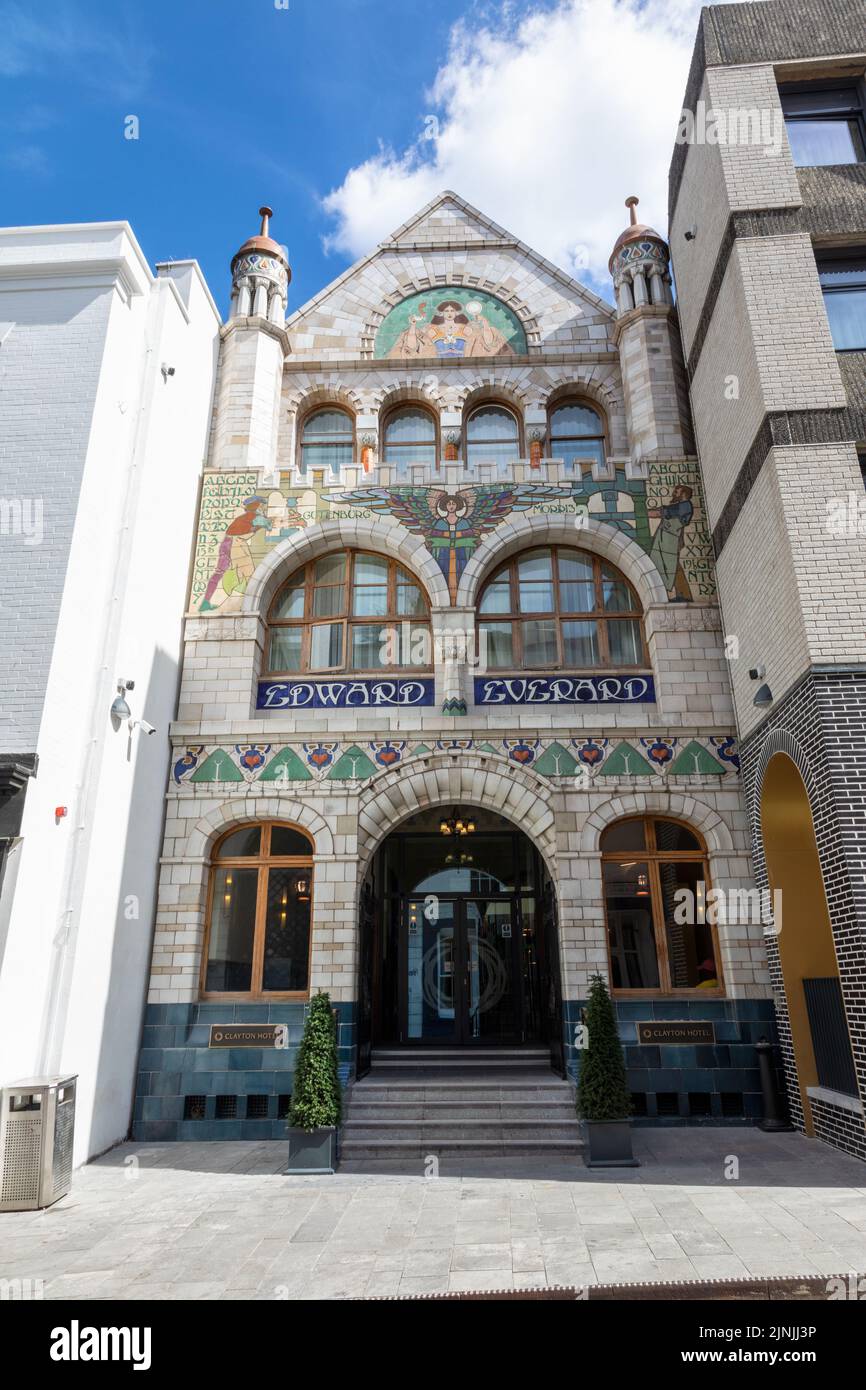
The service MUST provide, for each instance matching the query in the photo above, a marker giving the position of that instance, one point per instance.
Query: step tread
(502, 1122)
(569, 1144)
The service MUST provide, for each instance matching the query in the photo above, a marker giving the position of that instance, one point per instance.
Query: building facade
(455, 728)
(106, 382)
(768, 230)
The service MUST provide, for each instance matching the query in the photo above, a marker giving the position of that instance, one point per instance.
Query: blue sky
(319, 109)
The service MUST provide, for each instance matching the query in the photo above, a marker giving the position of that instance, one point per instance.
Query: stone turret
(260, 276)
(254, 349)
(648, 337)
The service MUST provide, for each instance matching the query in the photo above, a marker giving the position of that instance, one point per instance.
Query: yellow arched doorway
(807, 952)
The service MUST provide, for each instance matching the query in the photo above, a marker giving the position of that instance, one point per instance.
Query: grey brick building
(768, 238)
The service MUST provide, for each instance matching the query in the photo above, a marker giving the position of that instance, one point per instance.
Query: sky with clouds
(345, 115)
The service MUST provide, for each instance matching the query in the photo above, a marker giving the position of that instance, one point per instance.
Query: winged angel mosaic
(452, 523)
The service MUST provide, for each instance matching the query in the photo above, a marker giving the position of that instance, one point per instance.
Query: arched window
(348, 611)
(258, 930)
(492, 435)
(327, 440)
(560, 608)
(659, 921)
(410, 436)
(576, 432)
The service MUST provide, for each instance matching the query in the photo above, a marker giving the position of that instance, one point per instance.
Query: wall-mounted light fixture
(120, 709)
(764, 696)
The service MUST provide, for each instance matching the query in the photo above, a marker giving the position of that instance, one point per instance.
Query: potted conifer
(315, 1111)
(603, 1100)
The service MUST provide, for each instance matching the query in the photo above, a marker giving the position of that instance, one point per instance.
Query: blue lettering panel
(343, 694)
(564, 690)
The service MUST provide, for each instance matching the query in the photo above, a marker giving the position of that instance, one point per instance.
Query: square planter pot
(313, 1150)
(608, 1144)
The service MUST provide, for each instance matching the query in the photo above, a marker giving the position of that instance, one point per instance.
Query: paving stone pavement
(223, 1221)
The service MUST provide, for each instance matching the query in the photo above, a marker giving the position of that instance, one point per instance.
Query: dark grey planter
(608, 1144)
(313, 1150)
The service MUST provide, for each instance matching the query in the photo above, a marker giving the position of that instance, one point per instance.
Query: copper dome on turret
(636, 231)
(263, 243)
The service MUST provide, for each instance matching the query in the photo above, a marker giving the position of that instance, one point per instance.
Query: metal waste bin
(37, 1123)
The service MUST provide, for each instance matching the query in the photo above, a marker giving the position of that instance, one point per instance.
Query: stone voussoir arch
(385, 537)
(303, 398)
(209, 828)
(524, 532)
(565, 385)
(717, 837)
(413, 389)
(489, 386)
(475, 779)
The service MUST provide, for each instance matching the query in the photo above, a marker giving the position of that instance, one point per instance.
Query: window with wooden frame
(576, 431)
(656, 881)
(409, 436)
(560, 608)
(492, 435)
(257, 943)
(348, 611)
(327, 440)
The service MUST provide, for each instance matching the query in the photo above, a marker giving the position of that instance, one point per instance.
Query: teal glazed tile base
(186, 1090)
(688, 1084)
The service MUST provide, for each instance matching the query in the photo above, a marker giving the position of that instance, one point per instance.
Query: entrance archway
(807, 953)
(458, 937)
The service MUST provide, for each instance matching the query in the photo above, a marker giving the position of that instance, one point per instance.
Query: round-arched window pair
(557, 608)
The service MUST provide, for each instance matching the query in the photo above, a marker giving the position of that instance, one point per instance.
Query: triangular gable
(448, 225)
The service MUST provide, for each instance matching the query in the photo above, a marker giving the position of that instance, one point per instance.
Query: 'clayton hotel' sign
(675, 1032)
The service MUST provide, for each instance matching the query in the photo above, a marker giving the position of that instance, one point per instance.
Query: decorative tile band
(350, 762)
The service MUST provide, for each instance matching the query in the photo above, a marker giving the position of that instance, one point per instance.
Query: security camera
(691, 232)
(167, 371)
(143, 725)
(757, 673)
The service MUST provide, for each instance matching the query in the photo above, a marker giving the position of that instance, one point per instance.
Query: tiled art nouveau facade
(450, 406)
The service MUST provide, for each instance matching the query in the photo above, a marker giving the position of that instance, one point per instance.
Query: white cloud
(547, 121)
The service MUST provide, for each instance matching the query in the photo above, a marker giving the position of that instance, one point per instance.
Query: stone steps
(414, 1104)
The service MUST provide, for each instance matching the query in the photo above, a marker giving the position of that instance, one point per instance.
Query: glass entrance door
(432, 974)
(491, 935)
(463, 970)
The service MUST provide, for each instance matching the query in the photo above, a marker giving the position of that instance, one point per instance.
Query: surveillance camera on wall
(757, 673)
(142, 724)
(691, 232)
